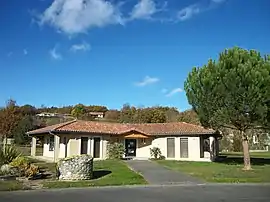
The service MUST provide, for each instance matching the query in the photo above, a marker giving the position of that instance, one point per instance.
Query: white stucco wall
(74, 145)
(193, 148)
(143, 148)
(46, 151)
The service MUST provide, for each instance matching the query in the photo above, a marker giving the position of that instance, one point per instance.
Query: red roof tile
(176, 128)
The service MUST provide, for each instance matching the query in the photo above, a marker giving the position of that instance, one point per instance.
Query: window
(184, 147)
(170, 148)
(143, 141)
(206, 144)
(51, 143)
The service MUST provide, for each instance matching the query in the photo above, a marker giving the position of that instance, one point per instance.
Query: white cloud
(197, 8)
(147, 80)
(80, 47)
(188, 12)
(144, 9)
(174, 91)
(54, 54)
(25, 52)
(78, 16)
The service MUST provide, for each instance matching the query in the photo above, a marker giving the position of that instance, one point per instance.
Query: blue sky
(62, 52)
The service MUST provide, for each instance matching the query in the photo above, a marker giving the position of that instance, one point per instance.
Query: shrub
(25, 168)
(116, 150)
(31, 171)
(8, 154)
(155, 152)
(19, 161)
(237, 143)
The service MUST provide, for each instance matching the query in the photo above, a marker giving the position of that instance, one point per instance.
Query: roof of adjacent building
(78, 126)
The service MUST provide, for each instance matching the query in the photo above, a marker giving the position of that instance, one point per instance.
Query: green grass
(107, 173)
(11, 185)
(230, 170)
(26, 150)
(252, 154)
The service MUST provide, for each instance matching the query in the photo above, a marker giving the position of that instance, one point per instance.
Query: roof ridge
(65, 124)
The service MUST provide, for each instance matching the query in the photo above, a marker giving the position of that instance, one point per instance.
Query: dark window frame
(51, 143)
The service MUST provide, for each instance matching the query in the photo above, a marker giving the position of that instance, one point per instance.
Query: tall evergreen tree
(232, 92)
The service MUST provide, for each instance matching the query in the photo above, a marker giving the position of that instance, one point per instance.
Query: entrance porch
(137, 145)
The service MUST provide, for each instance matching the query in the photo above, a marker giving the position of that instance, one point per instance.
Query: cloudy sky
(61, 52)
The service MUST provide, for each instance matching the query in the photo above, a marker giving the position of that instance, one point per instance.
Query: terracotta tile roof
(176, 128)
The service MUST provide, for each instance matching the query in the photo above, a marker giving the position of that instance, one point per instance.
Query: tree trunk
(247, 165)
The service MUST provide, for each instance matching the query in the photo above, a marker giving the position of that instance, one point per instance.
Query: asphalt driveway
(172, 193)
(156, 174)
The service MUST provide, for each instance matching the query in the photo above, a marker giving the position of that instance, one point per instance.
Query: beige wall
(74, 145)
(46, 151)
(193, 148)
(143, 147)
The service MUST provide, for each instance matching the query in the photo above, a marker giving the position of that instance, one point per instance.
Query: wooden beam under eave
(136, 135)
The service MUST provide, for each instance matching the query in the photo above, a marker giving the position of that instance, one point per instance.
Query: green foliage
(189, 116)
(9, 118)
(115, 150)
(132, 114)
(96, 108)
(155, 152)
(78, 110)
(28, 110)
(26, 168)
(19, 133)
(19, 161)
(237, 143)
(112, 115)
(8, 154)
(233, 91)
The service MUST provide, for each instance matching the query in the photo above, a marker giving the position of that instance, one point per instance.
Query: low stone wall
(76, 168)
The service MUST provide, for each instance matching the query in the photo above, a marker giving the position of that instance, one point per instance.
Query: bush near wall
(115, 150)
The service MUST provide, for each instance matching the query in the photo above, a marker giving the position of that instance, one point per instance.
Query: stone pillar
(56, 147)
(33, 146)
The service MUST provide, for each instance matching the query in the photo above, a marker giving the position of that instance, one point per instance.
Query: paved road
(174, 193)
(156, 174)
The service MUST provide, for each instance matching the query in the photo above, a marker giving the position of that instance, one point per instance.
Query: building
(97, 115)
(47, 114)
(177, 141)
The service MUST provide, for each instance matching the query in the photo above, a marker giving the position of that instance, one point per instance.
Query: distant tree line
(16, 120)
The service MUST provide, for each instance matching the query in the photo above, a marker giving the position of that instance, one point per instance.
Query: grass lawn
(106, 173)
(252, 154)
(229, 170)
(26, 150)
(11, 185)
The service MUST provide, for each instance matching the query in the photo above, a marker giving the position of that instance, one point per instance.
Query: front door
(130, 145)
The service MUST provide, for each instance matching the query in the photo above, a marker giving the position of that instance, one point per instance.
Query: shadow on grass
(239, 160)
(101, 173)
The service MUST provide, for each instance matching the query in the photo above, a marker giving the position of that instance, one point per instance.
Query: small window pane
(51, 143)
(170, 148)
(184, 147)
